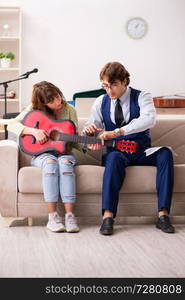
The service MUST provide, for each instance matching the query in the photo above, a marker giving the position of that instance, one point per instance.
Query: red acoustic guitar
(61, 132)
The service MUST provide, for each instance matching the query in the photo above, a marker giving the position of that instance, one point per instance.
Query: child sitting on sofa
(58, 177)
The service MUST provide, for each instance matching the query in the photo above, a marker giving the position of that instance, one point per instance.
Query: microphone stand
(5, 85)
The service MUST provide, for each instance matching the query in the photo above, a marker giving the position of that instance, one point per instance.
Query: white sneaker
(55, 223)
(71, 223)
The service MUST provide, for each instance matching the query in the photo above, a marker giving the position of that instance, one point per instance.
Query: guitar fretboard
(82, 139)
(79, 138)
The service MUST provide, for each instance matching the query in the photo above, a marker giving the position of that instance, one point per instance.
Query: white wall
(70, 40)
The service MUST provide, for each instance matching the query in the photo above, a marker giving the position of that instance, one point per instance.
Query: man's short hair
(115, 71)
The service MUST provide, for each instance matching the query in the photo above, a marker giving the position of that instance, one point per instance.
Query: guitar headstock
(127, 146)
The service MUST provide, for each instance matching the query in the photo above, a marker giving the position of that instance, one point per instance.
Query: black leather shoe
(164, 224)
(107, 226)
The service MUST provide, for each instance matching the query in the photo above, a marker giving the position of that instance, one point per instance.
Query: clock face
(136, 28)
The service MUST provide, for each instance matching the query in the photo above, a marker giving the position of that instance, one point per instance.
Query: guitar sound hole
(55, 135)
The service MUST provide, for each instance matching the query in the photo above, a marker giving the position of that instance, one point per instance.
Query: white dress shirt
(146, 120)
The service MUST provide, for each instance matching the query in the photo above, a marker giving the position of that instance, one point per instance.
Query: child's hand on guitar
(40, 135)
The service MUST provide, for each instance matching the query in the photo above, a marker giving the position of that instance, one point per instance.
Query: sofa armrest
(8, 178)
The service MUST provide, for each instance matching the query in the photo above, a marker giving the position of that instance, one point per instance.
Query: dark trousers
(115, 163)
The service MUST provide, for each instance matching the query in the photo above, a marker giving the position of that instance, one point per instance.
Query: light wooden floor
(133, 251)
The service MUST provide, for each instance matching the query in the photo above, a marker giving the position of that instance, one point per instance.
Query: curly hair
(43, 93)
(115, 71)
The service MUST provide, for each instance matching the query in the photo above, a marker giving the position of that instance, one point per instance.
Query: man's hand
(94, 146)
(105, 135)
(92, 129)
(109, 135)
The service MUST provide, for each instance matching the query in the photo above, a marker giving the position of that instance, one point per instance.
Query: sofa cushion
(30, 180)
(139, 179)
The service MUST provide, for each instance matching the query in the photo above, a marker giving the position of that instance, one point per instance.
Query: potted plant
(6, 58)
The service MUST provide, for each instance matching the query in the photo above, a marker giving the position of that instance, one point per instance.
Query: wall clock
(136, 28)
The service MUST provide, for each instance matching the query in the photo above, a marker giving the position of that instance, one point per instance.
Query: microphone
(30, 72)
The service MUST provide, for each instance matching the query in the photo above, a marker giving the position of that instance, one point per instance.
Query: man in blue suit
(125, 113)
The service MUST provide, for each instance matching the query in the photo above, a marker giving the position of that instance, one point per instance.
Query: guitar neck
(82, 139)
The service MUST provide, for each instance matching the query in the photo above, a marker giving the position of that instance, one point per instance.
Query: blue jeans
(58, 177)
